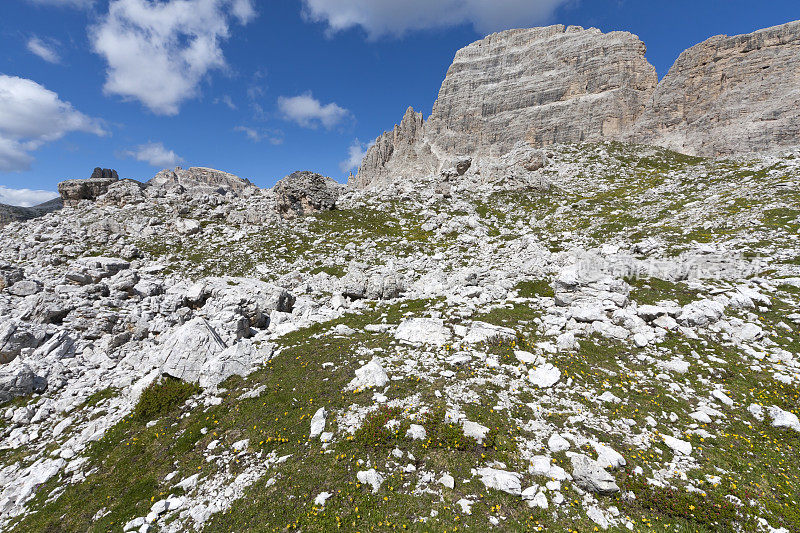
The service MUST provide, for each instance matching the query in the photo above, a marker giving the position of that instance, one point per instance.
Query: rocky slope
(605, 337)
(540, 86)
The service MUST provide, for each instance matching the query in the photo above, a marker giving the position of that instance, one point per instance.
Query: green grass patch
(162, 397)
(535, 288)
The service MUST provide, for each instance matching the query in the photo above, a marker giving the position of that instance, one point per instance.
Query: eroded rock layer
(729, 95)
(542, 86)
(537, 87)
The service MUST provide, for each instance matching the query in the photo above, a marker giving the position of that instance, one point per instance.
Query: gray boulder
(9, 275)
(194, 352)
(187, 348)
(25, 287)
(15, 337)
(372, 285)
(45, 308)
(590, 476)
(87, 270)
(239, 359)
(15, 382)
(304, 193)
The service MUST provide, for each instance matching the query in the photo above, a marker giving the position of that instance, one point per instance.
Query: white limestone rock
(502, 480)
(371, 375)
(590, 476)
(423, 331)
(544, 376)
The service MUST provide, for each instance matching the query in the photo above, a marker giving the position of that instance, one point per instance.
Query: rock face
(542, 86)
(729, 95)
(521, 90)
(198, 180)
(402, 151)
(536, 86)
(104, 174)
(73, 191)
(303, 193)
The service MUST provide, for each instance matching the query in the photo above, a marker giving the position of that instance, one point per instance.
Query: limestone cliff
(542, 86)
(536, 87)
(397, 153)
(729, 95)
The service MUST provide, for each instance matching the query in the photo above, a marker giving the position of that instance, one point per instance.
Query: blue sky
(262, 88)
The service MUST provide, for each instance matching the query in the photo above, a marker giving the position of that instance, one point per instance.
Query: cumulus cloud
(257, 135)
(159, 52)
(154, 154)
(390, 17)
(82, 4)
(308, 112)
(30, 116)
(355, 154)
(24, 197)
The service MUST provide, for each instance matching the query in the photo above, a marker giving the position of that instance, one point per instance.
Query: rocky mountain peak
(564, 84)
(104, 174)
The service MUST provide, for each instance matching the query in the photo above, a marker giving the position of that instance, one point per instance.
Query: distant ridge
(13, 213)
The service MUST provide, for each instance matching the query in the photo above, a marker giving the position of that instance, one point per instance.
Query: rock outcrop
(729, 95)
(198, 180)
(73, 191)
(304, 193)
(402, 151)
(527, 89)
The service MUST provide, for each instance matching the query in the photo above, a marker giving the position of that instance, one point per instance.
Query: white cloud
(392, 17)
(355, 154)
(243, 10)
(308, 112)
(31, 116)
(24, 197)
(227, 101)
(159, 52)
(154, 154)
(45, 50)
(257, 135)
(65, 3)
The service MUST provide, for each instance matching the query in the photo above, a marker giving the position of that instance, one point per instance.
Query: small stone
(544, 376)
(557, 443)
(680, 447)
(416, 432)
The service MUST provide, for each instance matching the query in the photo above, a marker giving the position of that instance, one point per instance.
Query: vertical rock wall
(542, 86)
